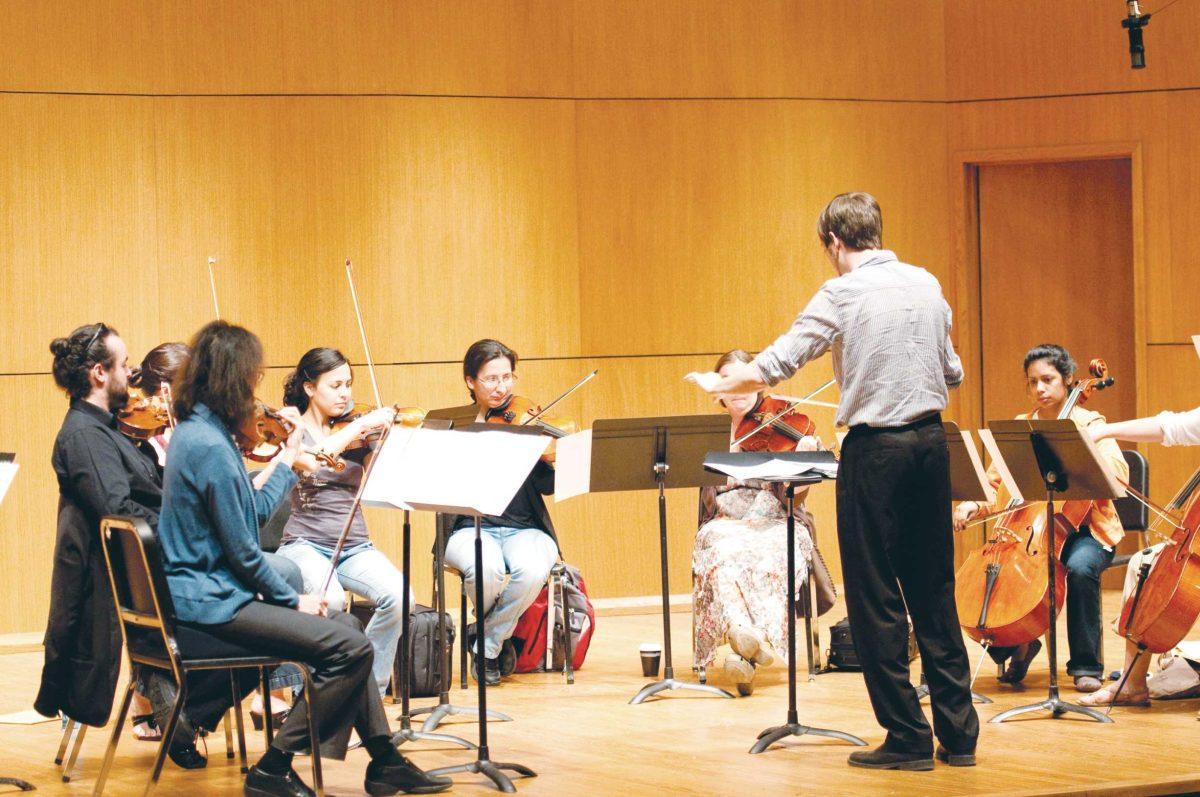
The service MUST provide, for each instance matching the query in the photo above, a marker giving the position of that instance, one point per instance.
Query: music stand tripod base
(669, 684)
(772, 735)
(1056, 707)
(923, 692)
(20, 784)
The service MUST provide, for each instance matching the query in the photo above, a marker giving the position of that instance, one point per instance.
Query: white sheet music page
(446, 470)
(774, 469)
(8, 472)
(1196, 343)
(1006, 477)
(573, 465)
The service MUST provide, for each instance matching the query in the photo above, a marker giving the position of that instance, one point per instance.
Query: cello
(1001, 589)
(1165, 603)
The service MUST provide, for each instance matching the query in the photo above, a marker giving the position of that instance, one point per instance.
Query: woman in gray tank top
(321, 388)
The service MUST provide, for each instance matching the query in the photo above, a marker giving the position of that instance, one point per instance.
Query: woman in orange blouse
(1086, 552)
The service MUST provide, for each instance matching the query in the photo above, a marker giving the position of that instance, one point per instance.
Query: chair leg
(168, 733)
(80, 730)
(568, 651)
(462, 642)
(112, 741)
(268, 725)
(241, 733)
(227, 721)
(551, 606)
(66, 738)
(314, 740)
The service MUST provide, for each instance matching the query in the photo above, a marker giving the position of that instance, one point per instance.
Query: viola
(1166, 602)
(784, 426)
(263, 436)
(520, 411)
(1001, 589)
(405, 416)
(144, 417)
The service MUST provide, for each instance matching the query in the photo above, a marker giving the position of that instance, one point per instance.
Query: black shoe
(955, 759)
(883, 758)
(264, 784)
(186, 756)
(491, 671)
(508, 658)
(402, 776)
(1018, 666)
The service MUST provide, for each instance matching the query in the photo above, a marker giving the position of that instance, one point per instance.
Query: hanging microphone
(1134, 24)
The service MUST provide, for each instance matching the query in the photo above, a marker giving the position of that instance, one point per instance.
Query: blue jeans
(365, 571)
(1085, 559)
(524, 555)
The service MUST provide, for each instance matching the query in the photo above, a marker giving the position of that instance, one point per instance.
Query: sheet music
(773, 468)
(573, 465)
(1006, 477)
(8, 472)
(1196, 343)
(464, 472)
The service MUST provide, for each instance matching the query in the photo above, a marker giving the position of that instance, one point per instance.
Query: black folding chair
(1134, 515)
(154, 640)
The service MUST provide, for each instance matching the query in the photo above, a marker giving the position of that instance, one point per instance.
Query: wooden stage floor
(586, 740)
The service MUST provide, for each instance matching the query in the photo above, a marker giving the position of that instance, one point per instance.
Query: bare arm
(1138, 430)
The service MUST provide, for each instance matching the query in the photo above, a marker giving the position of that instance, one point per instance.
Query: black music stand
(968, 482)
(1057, 457)
(9, 466)
(633, 454)
(790, 468)
(446, 418)
(445, 471)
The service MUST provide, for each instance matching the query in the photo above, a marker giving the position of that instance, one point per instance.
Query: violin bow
(212, 283)
(362, 483)
(806, 400)
(569, 391)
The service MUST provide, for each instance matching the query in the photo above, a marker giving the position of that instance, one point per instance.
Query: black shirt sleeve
(98, 478)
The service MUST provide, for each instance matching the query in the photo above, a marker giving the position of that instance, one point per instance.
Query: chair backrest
(140, 592)
(1133, 513)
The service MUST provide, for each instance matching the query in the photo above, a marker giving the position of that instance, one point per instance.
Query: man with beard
(100, 472)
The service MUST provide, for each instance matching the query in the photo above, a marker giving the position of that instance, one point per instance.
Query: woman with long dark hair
(321, 389)
(220, 582)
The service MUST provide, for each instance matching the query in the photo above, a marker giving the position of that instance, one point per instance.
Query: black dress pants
(896, 537)
(339, 659)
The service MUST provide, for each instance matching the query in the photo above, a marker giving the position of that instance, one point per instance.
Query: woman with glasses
(519, 543)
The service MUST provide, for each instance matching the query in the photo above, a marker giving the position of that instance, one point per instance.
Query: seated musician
(739, 564)
(519, 543)
(320, 388)
(153, 377)
(100, 472)
(1087, 551)
(1170, 429)
(221, 584)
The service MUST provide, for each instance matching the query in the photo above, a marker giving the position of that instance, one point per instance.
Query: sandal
(145, 729)
(1104, 697)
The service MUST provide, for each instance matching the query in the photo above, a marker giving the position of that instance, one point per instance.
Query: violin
(1166, 601)
(520, 411)
(263, 436)
(144, 417)
(773, 425)
(1001, 589)
(405, 416)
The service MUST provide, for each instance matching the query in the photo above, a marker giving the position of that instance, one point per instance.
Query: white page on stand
(573, 465)
(446, 470)
(8, 472)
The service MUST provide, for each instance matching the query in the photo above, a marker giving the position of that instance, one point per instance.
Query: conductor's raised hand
(707, 380)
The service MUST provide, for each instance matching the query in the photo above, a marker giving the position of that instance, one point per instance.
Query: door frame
(965, 253)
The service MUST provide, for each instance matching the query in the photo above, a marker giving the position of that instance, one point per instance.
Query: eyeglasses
(490, 382)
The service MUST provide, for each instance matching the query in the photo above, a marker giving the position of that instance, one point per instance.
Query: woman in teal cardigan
(220, 583)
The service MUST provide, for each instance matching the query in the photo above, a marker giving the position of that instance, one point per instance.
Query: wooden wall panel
(497, 47)
(1006, 49)
(459, 215)
(698, 219)
(78, 227)
(759, 48)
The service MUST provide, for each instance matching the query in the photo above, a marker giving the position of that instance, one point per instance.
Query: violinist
(100, 472)
(321, 389)
(220, 583)
(1087, 551)
(520, 542)
(1170, 429)
(739, 563)
(888, 328)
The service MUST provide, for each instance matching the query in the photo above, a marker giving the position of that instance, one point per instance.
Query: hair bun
(59, 347)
